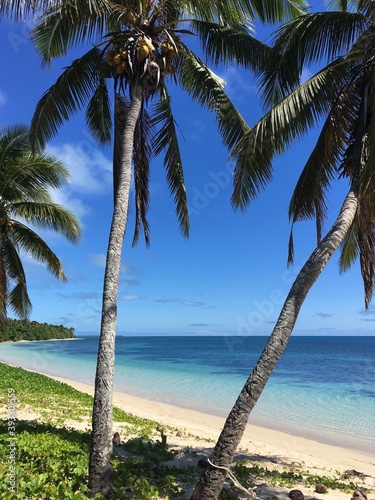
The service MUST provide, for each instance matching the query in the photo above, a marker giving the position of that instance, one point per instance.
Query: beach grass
(51, 450)
(52, 457)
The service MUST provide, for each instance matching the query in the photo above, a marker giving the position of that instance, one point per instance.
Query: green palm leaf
(368, 172)
(207, 89)
(3, 291)
(49, 216)
(17, 297)
(349, 247)
(13, 142)
(34, 246)
(230, 12)
(166, 140)
(98, 114)
(325, 161)
(273, 11)
(31, 176)
(25, 183)
(224, 44)
(20, 10)
(366, 243)
(323, 35)
(70, 23)
(287, 121)
(142, 154)
(72, 89)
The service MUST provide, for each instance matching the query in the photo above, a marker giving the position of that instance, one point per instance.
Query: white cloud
(238, 83)
(90, 170)
(191, 303)
(98, 259)
(3, 98)
(131, 297)
(63, 197)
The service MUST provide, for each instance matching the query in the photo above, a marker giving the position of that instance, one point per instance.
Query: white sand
(273, 449)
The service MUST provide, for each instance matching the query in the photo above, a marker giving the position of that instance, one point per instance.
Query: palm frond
(304, 41)
(19, 300)
(14, 141)
(166, 140)
(142, 154)
(98, 114)
(208, 90)
(325, 161)
(274, 10)
(21, 10)
(226, 45)
(342, 5)
(3, 291)
(349, 248)
(272, 135)
(231, 12)
(30, 177)
(67, 96)
(17, 297)
(221, 12)
(367, 177)
(366, 243)
(49, 216)
(71, 23)
(34, 246)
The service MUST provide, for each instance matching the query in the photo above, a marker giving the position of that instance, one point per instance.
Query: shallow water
(322, 387)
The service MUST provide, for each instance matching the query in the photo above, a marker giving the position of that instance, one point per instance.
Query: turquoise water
(322, 387)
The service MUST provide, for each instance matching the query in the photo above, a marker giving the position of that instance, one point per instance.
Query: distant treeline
(15, 329)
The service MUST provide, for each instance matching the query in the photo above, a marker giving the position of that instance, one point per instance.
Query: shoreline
(273, 450)
(257, 440)
(169, 412)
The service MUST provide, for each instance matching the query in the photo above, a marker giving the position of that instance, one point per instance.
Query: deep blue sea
(322, 387)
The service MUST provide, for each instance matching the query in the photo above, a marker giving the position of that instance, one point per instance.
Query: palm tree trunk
(212, 480)
(100, 469)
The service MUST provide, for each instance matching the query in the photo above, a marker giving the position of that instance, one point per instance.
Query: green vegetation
(245, 471)
(51, 457)
(14, 330)
(27, 177)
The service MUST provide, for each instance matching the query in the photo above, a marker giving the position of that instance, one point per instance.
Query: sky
(230, 277)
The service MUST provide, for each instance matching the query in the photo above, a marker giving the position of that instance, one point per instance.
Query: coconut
(131, 17)
(142, 53)
(119, 69)
(172, 52)
(165, 47)
(117, 59)
(148, 43)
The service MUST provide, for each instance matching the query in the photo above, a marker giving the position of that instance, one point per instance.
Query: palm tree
(342, 97)
(139, 46)
(25, 183)
(23, 10)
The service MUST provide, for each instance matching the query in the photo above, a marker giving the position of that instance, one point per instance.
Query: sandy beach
(274, 449)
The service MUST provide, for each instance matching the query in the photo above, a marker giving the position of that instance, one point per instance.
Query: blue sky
(230, 276)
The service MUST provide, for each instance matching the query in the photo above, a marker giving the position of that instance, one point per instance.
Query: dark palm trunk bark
(100, 469)
(212, 480)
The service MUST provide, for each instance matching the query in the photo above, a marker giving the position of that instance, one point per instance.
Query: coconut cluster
(142, 56)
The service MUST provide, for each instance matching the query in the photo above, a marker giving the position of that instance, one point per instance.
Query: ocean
(322, 388)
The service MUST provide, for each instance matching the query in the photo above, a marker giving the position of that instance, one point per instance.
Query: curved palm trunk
(212, 481)
(100, 469)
